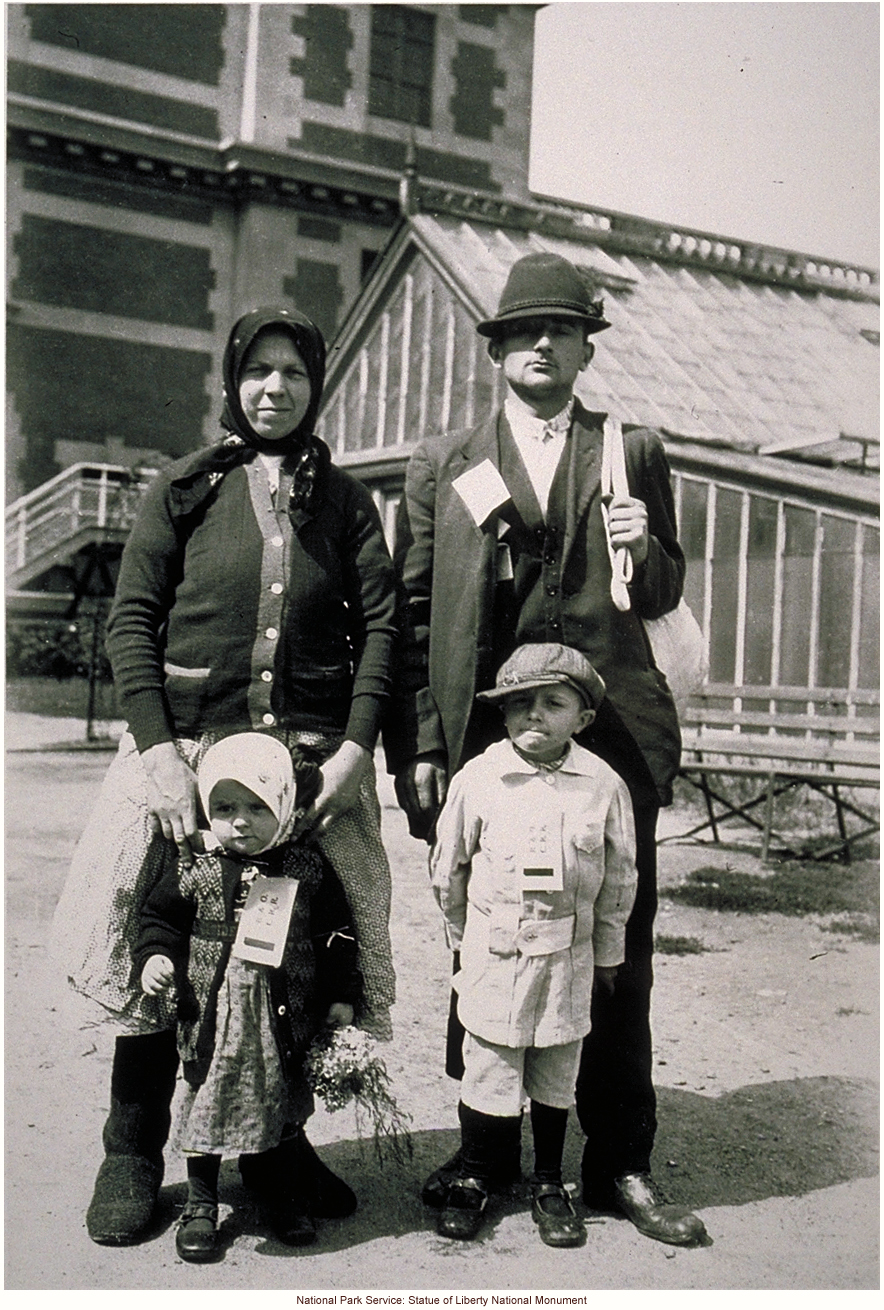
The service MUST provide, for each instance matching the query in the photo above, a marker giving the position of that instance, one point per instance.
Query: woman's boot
(128, 1181)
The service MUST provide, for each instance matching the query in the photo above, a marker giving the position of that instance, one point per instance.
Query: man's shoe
(197, 1238)
(122, 1205)
(291, 1224)
(556, 1220)
(461, 1215)
(636, 1198)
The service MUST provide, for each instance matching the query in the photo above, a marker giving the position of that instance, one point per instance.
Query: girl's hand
(340, 1015)
(342, 776)
(157, 975)
(628, 526)
(603, 978)
(171, 798)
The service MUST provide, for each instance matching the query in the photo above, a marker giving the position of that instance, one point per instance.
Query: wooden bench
(784, 738)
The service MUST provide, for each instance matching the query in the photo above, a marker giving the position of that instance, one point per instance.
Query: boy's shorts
(497, 1079)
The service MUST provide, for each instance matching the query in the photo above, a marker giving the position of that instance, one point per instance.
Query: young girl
(244, 1026)
(534, 871)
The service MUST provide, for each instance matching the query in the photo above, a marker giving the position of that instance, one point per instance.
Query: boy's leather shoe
(197, 1238)
(435, 1189)
(123, 1201)
(636, 1198)
(461, 1215)
(556, 1220)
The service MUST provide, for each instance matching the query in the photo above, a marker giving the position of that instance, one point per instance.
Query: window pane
(836, 603)
(692, 535)
(797, 597)
(725, 587)
(869, 675)
(760, 589)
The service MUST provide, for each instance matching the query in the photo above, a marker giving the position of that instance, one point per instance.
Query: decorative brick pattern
(383, 152)
(472, 105)
(117, 195)
(481, 15)
(106, 272)
(95, 388)
(316, 290)
(107, 98)
(319, 229)
(328, 41)
(180, 40)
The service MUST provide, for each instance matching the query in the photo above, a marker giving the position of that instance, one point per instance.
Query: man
(500, 542)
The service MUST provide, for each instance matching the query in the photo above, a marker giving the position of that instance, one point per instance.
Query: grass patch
(796, 889)
(664, 945)
(60, 697)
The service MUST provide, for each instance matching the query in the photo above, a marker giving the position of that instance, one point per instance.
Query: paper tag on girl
(264, 923)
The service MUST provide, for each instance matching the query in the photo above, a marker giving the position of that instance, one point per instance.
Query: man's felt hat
(540, 285)
(541, 664)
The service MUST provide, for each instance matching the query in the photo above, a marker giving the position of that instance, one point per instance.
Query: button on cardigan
(233, 617)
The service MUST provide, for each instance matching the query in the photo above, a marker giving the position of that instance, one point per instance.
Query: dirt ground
(767, 1066)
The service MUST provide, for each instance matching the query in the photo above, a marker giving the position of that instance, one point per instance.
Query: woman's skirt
(119, 860)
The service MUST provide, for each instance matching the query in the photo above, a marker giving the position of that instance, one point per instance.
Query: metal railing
(80, 499)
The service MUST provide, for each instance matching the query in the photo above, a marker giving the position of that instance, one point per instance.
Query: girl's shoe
(556, 1219)
(197, 1239)
(461, 1215)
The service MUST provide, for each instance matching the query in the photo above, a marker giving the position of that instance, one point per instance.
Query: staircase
(84, 506)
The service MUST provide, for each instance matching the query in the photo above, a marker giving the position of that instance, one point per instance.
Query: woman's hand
(342, 776)
(171, 797)
(340, 1015)
(628, 526)
(157, 975)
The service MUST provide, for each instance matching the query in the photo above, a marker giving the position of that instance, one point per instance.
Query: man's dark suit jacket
(448, 569)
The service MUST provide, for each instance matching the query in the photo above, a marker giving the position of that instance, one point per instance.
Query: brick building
(173, 165)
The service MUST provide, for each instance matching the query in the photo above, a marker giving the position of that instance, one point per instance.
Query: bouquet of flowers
(343, 1066)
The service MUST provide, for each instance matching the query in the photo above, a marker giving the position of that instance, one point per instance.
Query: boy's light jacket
(527, 957)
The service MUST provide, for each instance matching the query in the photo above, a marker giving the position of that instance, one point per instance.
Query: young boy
(534, 870)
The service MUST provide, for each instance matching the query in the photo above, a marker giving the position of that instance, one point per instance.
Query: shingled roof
(755, 350)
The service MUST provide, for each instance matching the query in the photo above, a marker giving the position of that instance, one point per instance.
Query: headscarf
(260, 763)
(310, 346)
(306, 453)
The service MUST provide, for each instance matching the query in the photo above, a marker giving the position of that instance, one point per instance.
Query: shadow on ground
(761, 1141)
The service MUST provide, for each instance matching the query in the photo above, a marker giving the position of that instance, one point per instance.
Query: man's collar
(523, 419)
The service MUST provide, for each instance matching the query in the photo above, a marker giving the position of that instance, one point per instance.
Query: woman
(255, 593)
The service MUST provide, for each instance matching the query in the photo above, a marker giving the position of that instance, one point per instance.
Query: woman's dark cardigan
(189, 917)
(229, 616)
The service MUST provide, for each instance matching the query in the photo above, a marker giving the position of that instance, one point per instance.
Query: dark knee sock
(202, 1179)
(548, 1124)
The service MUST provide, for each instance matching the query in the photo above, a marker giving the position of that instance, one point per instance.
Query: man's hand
(172, 798)
(628, 526)
(340, 1015)
(342, 776)
(157, 975)
(420, 790)
(603, 978)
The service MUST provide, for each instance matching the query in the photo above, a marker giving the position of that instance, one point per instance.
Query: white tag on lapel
(482, 490)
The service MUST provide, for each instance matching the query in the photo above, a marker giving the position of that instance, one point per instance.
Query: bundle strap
(615, 483)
